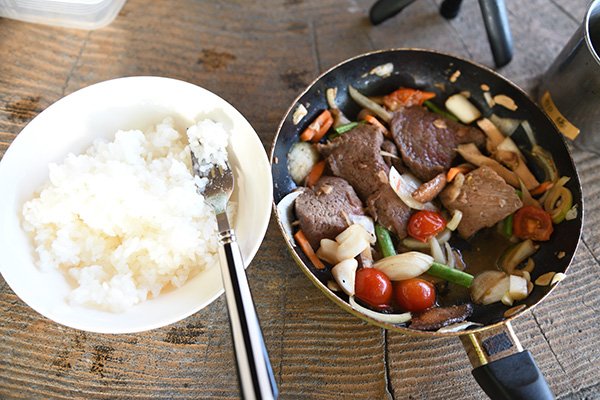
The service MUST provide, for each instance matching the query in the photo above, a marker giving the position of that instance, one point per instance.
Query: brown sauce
(480, 253)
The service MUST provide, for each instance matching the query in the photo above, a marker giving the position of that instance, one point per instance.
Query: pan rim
(345, 305)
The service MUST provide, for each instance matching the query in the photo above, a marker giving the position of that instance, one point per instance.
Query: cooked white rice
(124, 220)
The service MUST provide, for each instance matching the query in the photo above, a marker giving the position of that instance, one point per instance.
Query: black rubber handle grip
(515, 377)
(498, 30)
(384, 9)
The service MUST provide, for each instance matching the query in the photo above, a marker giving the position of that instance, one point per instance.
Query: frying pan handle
(514, 377)
(498, 30)
(502, 368)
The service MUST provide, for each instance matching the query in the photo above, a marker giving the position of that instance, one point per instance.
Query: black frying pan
(502, 369)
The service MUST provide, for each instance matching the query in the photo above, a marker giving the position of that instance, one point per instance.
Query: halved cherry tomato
(414, 294)
(424, 224)
(373, 287)
(533, 223)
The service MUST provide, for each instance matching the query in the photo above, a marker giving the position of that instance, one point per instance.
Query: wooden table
(259, 55)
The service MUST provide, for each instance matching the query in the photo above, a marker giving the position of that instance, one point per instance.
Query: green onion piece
(507, 226)
(519, 193)
(385, 241)
(433, 107)
(450, 274)
(345, 128)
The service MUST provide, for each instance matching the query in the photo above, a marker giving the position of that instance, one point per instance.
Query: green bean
(433, 107)
(345, 128)
(385, 241)
(450, 274)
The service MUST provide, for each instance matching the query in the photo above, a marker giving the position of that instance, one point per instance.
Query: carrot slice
(315, 127)
(315, 173)
(406, 97)
(374, 121)
(308, 250)
(324, 128)
(543, 187)
(452, 172)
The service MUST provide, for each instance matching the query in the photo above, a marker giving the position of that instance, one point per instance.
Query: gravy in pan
(480, 253)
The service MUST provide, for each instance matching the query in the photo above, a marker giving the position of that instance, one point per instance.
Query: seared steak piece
(438, 317)
(386, 208)
(427, 141)
(483, 197)
(356, 157)
(321, 210)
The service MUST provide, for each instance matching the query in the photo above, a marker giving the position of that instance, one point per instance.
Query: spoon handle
(254, 369)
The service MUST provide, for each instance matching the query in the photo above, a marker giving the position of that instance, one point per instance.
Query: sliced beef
(356, 157)
(427, 141)
(395, 162)
(387, 209)
(438, 317)
(321, 210)
(483, 197)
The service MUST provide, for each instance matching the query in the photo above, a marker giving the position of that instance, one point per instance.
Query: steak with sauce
(427, 141)
(483, 197)
(356, 157)
(321, 210)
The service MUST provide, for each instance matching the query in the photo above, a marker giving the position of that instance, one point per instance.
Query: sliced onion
(506, 125)
(285, 210)
(404, 266)
(367, 223)
(456, 218)
(527, 128)
(404, 190)
(388, 154)
(369, 104)
(489, 287)
(344, 274)
(459, 326)
(451, 263)
(517, 254)
(443, 236)
(572, 213)
(389, 318)
(436, 251)
(415, 244)
(331, 94)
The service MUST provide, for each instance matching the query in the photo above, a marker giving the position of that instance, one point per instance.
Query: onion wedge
(389, 318)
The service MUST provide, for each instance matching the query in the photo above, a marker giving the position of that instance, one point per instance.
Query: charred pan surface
(321, 210)
(483, 198)
(427, 141)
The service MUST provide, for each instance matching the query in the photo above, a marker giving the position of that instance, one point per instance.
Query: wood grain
(259, 56)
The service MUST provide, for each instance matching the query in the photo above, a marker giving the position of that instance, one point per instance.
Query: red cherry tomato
(533, 223)
(424, 224)
(373, 287)
(414, 294)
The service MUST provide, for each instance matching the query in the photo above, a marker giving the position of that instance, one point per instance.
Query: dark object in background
(493, 13)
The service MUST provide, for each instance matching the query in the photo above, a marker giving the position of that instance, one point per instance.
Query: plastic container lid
(83, 14)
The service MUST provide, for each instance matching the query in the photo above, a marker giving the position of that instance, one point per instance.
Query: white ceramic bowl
(69, 126)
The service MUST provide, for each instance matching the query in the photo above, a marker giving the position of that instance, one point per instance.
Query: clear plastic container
(83, 14)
